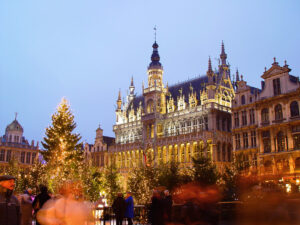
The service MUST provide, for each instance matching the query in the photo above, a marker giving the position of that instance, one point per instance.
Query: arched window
(278, 112)
(265, 115)
(243, 100)
(280, 141)
(266, 141)
(294, 107)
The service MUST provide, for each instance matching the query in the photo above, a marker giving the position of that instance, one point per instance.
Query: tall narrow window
(294, 107)
(8, 155)
(265, 115)
(28, 155)
(253, 138)
(266, 141)
(237, 141)
(236, 119)
(206, 122)
(218, 151)
(278, 112)
(229, 153)
(280, 141)
(276, 86)
(245, 140)
(22, 157)
(296, 139)
(252, 116)
(224, 152)
(243, 100)
(33, 158)
(2, 153)
(244, 118)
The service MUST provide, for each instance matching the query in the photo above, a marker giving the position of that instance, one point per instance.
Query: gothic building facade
(97, 153)
(176, 122)
(13, 145)
(266, 123)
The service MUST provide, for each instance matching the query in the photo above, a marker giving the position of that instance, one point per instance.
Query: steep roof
(14, 126)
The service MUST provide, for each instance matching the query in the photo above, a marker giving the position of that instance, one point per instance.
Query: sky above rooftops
(87, 50)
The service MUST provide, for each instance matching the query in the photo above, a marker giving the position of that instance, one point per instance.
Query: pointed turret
(119, 101)
(209, 71)
(223, 55)
(131, 87)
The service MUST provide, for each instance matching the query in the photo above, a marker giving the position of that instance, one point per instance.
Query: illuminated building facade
(266, 123)
(13, 145)
(97, 153)
(176, 122)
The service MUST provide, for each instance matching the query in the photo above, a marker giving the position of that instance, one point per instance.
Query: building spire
(223, 55)
(119, 101)
(131, 84)
(209, 71)
(16, 115)
(131, 89)
(237, 76)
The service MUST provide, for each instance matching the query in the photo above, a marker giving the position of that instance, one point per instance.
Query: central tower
(155, 69)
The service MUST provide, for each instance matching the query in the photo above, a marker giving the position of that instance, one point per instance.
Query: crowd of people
(68, 207)
(65, 208)
(160, 209)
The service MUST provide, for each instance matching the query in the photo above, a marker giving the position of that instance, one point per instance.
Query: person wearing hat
(10, 213)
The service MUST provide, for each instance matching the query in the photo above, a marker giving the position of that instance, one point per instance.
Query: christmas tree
(204, 171)
(62, 147)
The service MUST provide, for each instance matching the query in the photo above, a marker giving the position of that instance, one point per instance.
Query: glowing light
(288, 188)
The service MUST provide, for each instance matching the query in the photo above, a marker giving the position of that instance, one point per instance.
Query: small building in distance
(266, 124)
(13, 145)
(97, 153)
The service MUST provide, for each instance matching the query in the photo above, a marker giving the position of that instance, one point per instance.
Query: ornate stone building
(14, 145)
(266, 123)
(175, 122)
(98, 152)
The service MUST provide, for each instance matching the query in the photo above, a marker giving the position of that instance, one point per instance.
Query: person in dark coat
(129, 213)
(168, 203)
(119, 207)
(40, 200)
(26, 207)
(156, 213)
(10, 212)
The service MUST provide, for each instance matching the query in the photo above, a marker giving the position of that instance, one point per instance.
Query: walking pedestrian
(119, 207)
(40, 200)
(10, 213)
(156, 212)
(68, 209)
(168, 203)
(26, 207)
(129, 213)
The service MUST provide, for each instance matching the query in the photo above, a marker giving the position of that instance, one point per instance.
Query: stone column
(291, 164)
(290, 141)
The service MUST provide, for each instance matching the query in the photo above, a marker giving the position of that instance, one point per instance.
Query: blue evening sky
(87, 50)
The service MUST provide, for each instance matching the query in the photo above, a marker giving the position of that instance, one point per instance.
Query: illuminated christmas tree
(62, 147)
